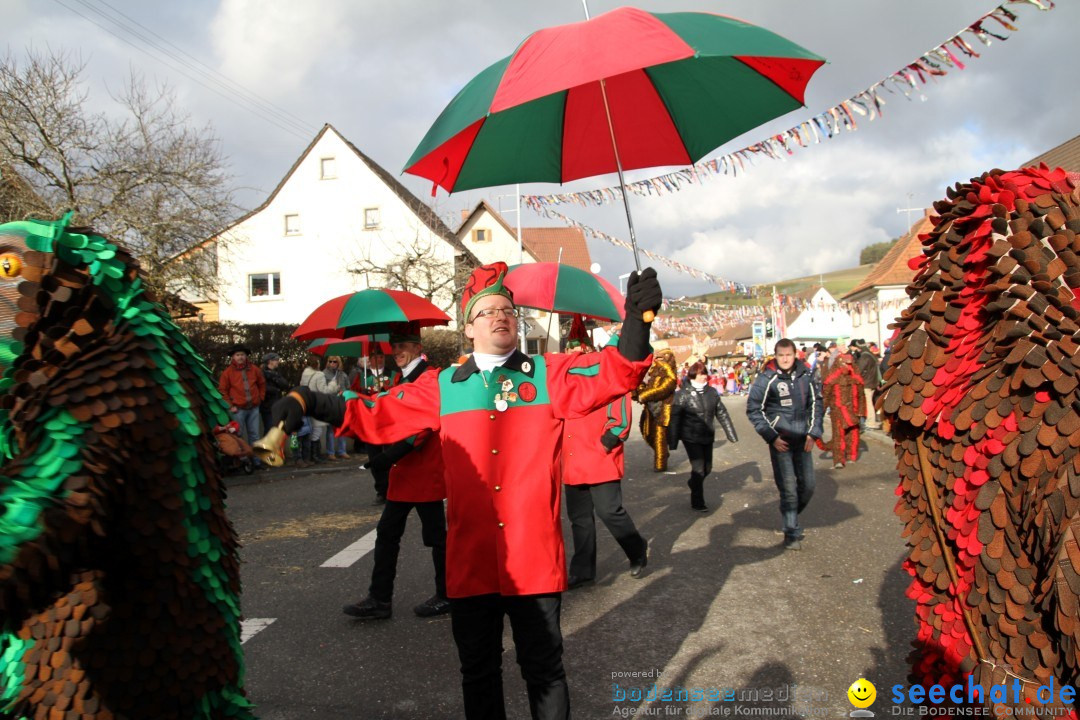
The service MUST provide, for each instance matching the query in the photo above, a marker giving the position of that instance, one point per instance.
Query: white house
(336, 223)
(881, 296)
(819, 318)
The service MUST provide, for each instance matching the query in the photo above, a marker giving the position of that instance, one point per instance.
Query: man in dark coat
(786, 410)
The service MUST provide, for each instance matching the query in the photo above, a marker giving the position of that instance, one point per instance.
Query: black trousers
(606, 500)
(700, 455)
(381, 477)
(388, 543)
(477, 624)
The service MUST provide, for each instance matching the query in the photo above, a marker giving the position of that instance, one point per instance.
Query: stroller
(234, 452)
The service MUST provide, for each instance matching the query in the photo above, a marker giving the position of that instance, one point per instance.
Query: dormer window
(481, 235)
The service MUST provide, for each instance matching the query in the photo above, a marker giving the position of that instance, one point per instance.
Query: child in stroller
(234, 452)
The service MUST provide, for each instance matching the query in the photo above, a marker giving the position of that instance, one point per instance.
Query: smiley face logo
(862, 693)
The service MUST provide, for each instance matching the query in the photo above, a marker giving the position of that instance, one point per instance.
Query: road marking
(252, 626)
(354, 552)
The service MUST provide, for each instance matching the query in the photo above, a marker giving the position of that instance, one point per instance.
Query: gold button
(494, 451)
(501, 525)
(492, 417)
(498, 488)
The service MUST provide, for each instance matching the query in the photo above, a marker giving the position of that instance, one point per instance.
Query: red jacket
(585, 459)
(418, 476)
(501, 466)
(231, 386)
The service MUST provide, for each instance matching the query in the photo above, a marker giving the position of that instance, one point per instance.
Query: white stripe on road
(354, 552)
(252, 626)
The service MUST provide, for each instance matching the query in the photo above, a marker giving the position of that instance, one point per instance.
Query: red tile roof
(893, 268)
(1066, 155)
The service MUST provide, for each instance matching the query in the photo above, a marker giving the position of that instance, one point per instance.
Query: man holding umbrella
(499, 416)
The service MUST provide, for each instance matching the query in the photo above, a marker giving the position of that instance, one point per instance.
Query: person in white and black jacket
(785, 406)
(696, 408)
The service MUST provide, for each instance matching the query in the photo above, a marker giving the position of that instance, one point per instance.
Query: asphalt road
(722, 612)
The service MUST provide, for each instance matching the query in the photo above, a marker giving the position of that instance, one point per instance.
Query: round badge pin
(501, 405)
(526, 366)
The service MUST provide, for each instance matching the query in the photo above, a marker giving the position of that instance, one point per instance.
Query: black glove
(642, 294)
(610, 441)
(290, 410)
(390, 456)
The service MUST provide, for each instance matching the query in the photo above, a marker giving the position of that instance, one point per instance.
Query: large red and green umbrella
(564, 289)
(664, 88)
(356, 346)
(369, 311)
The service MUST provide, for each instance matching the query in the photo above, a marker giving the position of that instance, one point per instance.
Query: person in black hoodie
(786, 409)
(696, 408)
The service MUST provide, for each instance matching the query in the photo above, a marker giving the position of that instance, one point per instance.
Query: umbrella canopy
(564, 289)
(368, 311)
(357, 346)
(677, 86)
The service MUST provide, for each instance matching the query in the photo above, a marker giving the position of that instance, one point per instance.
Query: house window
(371, 218)
(292, 224)
(327, 168)
(481, 235)
(264, 285)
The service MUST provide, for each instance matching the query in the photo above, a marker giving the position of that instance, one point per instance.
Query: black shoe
(700, 508)
(379, 500)
(433, 606)
(369, 609)
(574, 582)
(792, 544)
(638, 566)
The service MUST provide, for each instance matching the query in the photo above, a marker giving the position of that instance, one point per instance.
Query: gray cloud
(382, 72)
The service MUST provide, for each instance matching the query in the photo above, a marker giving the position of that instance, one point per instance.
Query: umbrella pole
(618, 162)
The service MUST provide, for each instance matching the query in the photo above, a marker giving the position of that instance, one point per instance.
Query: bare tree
(144, 176)
(416, 267)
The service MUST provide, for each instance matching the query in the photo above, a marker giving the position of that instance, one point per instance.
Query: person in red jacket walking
(592, 473)
(500, 416)
(415, 480)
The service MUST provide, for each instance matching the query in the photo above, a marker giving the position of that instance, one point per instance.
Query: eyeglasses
(492, 313)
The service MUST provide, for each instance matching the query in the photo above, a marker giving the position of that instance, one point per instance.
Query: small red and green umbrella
(356, 346)
(369, 311)
(664, 88)
(560, 288)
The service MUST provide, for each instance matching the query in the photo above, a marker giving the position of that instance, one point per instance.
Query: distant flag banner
(868, 105)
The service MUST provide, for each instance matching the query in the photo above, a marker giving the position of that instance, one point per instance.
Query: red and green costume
(500, 433)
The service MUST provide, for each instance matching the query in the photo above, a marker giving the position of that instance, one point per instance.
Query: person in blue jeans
(786, 409)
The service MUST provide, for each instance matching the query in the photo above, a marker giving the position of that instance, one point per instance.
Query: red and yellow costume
(656, 394)
(847, 403)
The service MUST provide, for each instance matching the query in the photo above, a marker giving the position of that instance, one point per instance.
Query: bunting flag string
(842, 117)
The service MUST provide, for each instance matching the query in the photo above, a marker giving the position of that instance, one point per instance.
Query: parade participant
(696, 409)
(499, 416)
(119, 571)
(415, 481)
(846, 403)
(867, 365)
(981, 395)
(592, 471)
(656, 394)
(786, 410)
(376, 378)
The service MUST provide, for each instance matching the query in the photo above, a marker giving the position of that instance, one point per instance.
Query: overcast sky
(381, 71)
